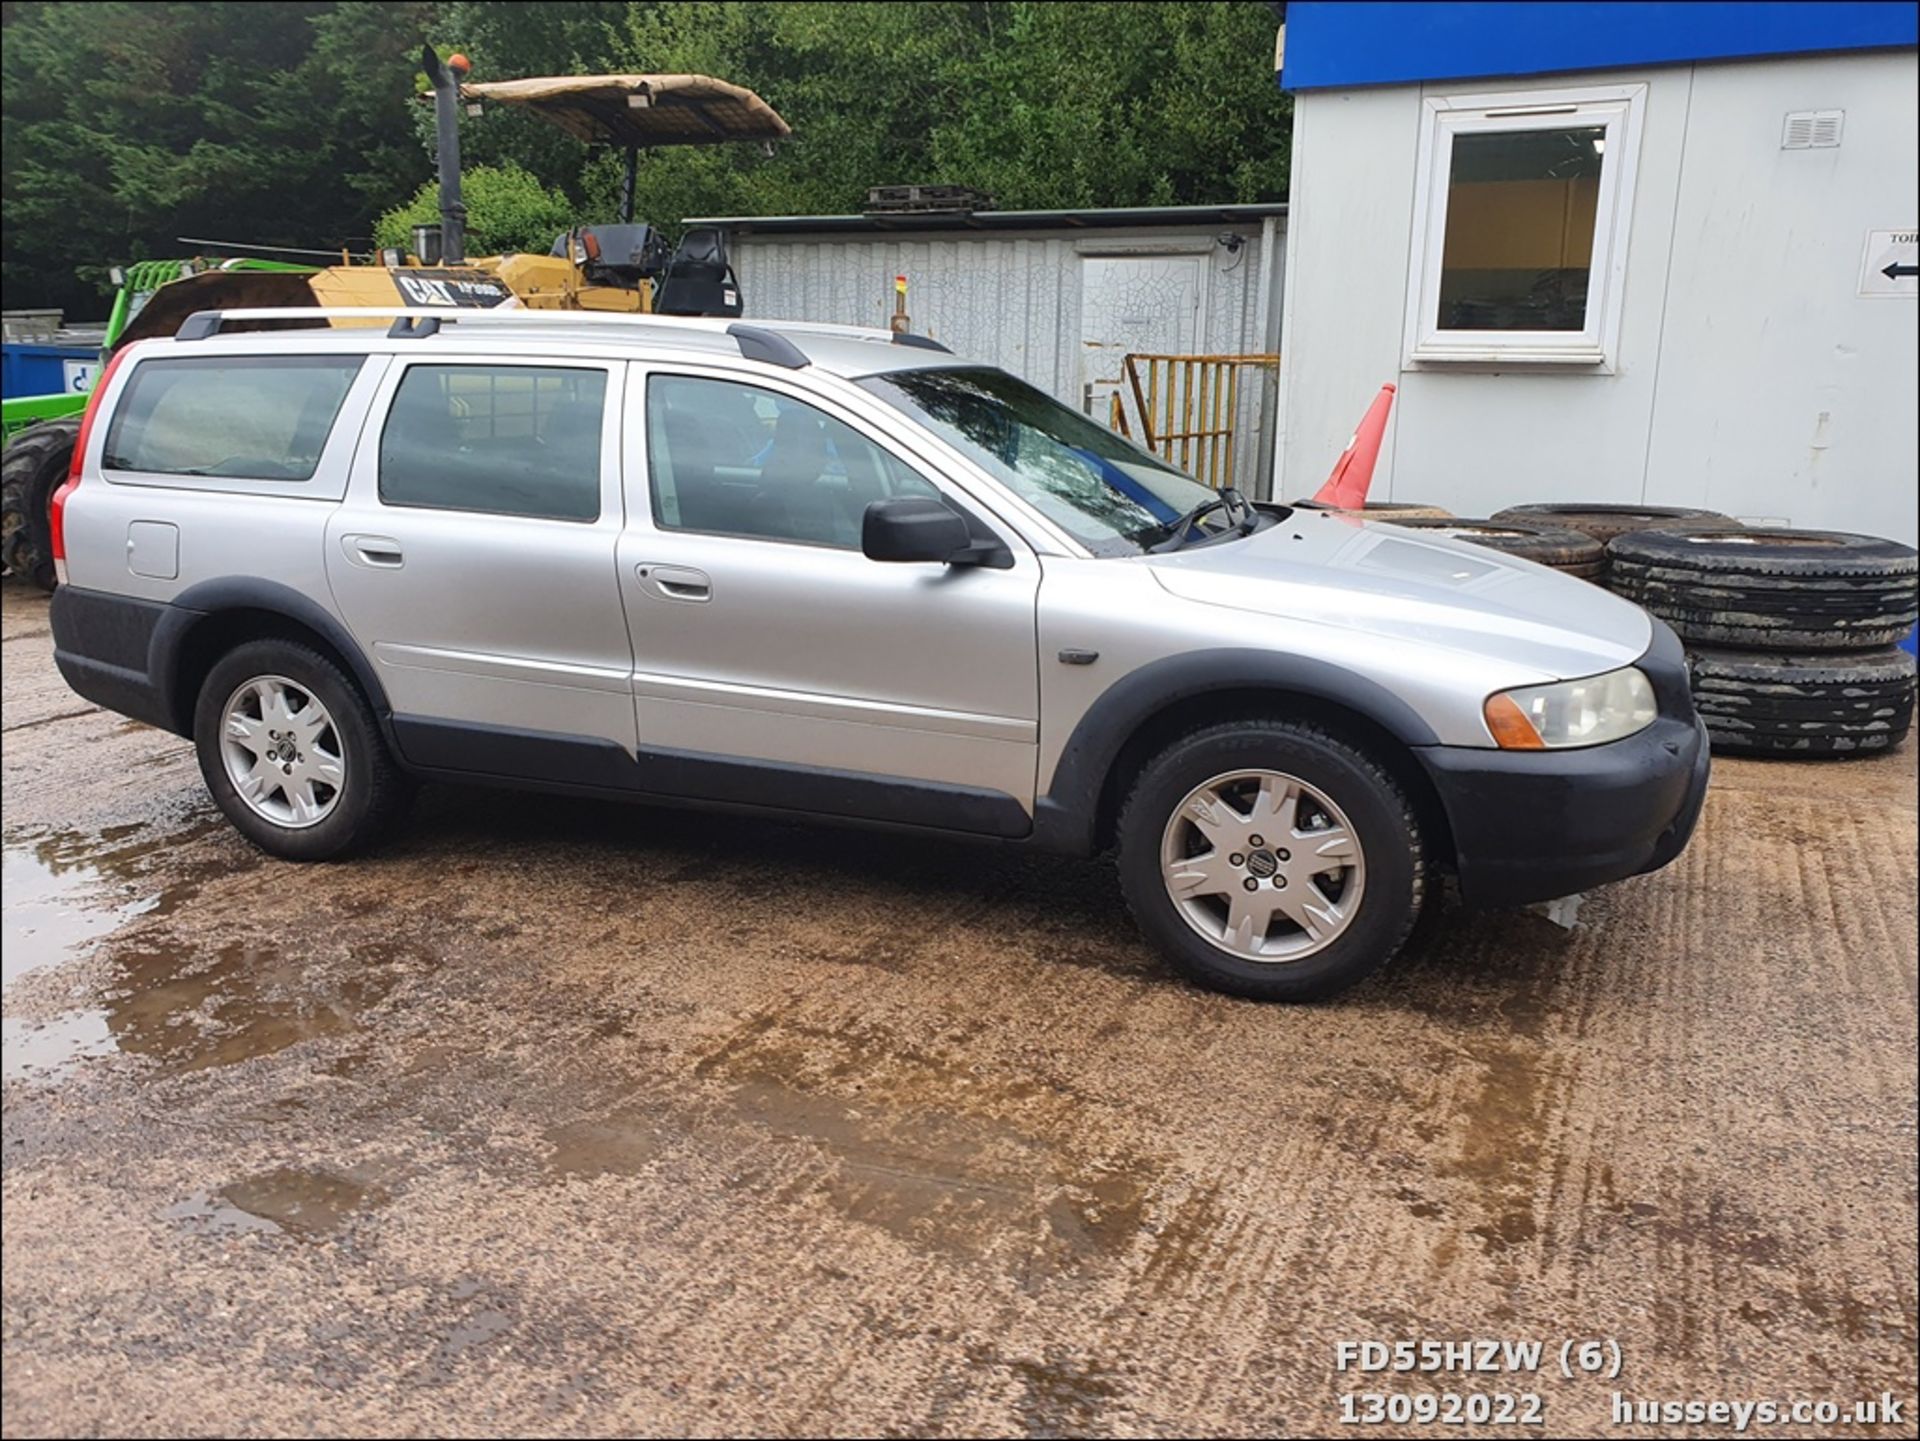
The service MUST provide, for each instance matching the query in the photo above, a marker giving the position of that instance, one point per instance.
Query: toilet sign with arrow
(1891, 263)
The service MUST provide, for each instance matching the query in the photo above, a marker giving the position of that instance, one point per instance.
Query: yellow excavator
(626, 267)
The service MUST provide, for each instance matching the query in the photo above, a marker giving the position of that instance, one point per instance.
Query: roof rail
(760, 340)
(759, 343)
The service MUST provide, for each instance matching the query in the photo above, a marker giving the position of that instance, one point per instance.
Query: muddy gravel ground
(560, 1117)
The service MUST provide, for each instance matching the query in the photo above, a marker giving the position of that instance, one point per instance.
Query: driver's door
(774, 664)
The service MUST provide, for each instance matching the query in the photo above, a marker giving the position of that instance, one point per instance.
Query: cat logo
(466, 290)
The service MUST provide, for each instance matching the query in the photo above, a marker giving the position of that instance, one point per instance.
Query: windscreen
(1107, 493)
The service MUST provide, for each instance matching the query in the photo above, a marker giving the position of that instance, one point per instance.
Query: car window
(1106, 492)
(505, 439)
(738, 460)
(240, 417)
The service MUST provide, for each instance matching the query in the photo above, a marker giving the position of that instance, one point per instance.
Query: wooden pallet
(926, 200)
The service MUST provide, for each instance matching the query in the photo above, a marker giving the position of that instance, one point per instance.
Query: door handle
(378, 551)
(675, 582)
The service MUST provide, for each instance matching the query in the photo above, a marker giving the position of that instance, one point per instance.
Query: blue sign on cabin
(1332, 45)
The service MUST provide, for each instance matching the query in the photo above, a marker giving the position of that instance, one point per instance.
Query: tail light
(57, 512)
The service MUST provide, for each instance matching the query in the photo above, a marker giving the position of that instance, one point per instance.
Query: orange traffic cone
(1346, 487)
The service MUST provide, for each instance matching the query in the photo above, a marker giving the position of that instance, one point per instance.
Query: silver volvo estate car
(819, 572)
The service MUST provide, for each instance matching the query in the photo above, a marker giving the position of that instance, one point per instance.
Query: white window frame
(1619, 110)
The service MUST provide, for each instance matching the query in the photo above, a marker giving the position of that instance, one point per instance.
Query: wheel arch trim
(209, 599)
(1066, 815)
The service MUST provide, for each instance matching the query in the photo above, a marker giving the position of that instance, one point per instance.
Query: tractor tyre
(34, 465)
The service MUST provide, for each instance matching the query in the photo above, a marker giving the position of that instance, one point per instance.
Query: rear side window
(239, 417)
(506, 439)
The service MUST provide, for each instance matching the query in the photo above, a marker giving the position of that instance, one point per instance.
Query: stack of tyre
(1791, 635)
(1599, 525)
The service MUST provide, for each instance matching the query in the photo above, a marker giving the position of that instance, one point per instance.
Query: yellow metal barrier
(1189, 408)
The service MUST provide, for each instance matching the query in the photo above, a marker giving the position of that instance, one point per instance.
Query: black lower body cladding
(103, 646)
(1774, 589)
(1532, 825)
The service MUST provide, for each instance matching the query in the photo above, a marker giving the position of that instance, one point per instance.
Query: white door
(1134, 303)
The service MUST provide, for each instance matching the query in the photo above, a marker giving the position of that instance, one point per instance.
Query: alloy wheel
(1263, 865)
(282, 752)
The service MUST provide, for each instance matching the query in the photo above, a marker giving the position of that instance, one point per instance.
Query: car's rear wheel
(1269, 859)
(291, 752)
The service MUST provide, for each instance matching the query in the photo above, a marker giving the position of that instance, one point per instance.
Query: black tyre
(35, 463)
(1268, 859)
(1604, 522)
(291, 752)
(1550, 545)
(1786, 590)
(1858, 703)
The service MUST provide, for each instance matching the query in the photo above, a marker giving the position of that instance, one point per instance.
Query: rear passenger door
(474, 562)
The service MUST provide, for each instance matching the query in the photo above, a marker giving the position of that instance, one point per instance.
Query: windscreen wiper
(1185, 528)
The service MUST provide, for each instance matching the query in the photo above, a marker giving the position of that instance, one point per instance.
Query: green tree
(507, 210)
(1042, 103)
(298, 123)
(1083, 104)
(127, 125)
(507, 41)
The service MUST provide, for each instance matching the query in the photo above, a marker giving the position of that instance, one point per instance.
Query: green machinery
(39, 430)
(136, 285)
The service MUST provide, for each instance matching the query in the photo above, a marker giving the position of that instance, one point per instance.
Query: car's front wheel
(291, 752)
(1266, 858)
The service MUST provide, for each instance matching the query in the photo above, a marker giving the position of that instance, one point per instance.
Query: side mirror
(914, 528)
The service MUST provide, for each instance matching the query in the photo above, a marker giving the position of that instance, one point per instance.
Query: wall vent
(1812, 129)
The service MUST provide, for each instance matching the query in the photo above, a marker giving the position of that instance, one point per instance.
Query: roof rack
(763, 340)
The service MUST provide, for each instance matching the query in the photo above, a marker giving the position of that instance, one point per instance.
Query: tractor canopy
(640, 112)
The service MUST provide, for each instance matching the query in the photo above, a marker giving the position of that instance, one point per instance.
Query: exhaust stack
(446, 130)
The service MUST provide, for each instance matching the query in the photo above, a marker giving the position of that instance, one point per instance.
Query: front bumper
(1532, 825)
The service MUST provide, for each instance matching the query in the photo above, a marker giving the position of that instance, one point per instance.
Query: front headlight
(1569, 713)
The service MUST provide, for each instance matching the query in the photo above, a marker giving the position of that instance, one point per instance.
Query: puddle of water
(617, 1145)
(477, 1329)
(47, 1050)
(931, 1151)
(45, 923)
(192, 1012)
(63, 891)
(44, 879)
(290, 1200)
